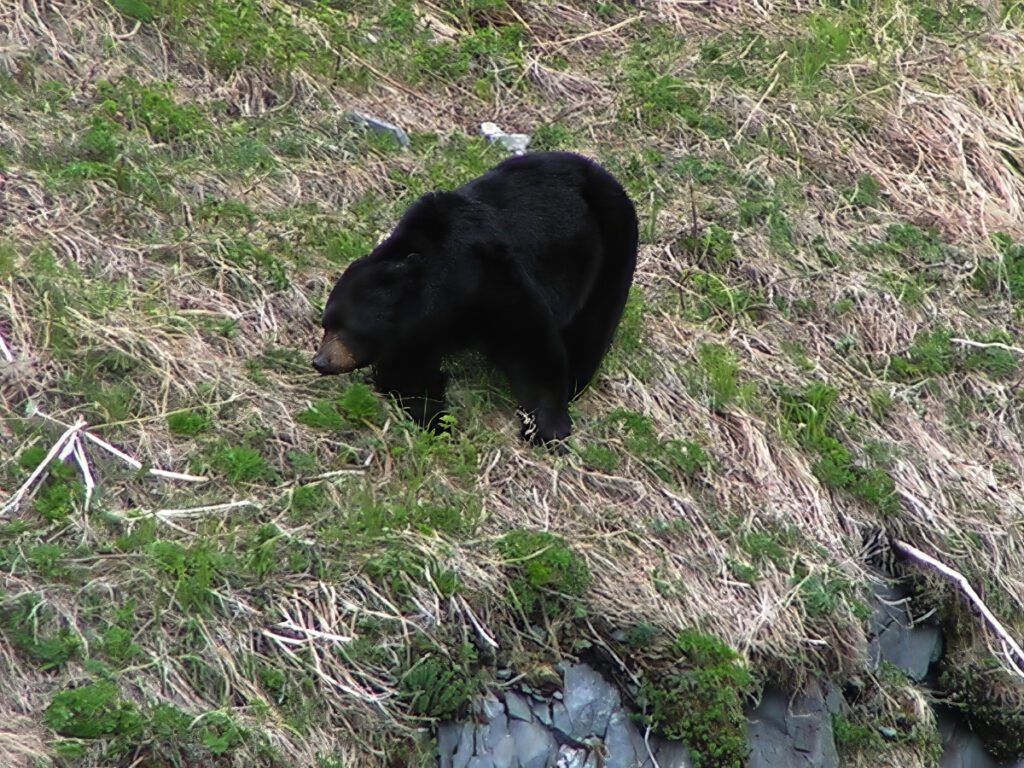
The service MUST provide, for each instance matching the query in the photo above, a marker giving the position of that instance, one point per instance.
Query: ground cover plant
(824, 338)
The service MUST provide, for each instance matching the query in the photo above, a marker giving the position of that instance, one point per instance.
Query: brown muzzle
(333, 356)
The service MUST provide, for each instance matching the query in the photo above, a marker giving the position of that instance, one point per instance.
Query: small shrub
(360, 405)
(665, 458)
(193, 570)
(27, 625)
(546, 571)
(713, 248)
(241, 464)
(61, 494)
(866, 193)
(699, 700)
(91, 712)
(715, 377)
(188, 423)
(149, 107)
(810, 414)
(436, 688)
(1004, 274)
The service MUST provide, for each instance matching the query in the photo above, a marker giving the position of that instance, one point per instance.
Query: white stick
(129, 460)
(83, 464)
(195, 511)
(58, 447)
(5, 350)
(960, 580)
(484, 634)
(986, 344)
(136, 464)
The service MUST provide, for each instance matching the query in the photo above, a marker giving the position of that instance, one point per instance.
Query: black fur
(530, 263)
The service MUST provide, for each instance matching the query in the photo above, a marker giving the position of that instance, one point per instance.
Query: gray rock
(810, 724)
(497, 730)
(447, 742)
(518, 707)
(515, 143)
(535, 746)
(560, 717)
(481, 761)
(589, 700)
(792, 734)
(912, 648)
(504, 753)
(491, 707)
(834, 700)
(379, 126)
(621, 742)
(961, 747)
(671, 754)
(464, 750)
(542, 712)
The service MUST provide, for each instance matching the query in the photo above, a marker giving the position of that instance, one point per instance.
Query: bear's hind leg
(418, 385)
(534, 362)
(589, 336)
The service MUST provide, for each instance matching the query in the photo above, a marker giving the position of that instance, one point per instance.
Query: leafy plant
(28, 625)
(434, 687)
(91, 712)
(810, 414)
(545, 571)
(188, 422)
(698, 699)
(716, 378)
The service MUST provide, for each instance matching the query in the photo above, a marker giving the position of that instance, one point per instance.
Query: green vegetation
(434, 687)
(989, 697)
(547, 574)
(715, 379)
(698, 699)
(887, 717)
(810, 416)
(933, 354)
(176, 209)
(91, 712)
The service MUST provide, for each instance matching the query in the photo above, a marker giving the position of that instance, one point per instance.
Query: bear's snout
(334, 357)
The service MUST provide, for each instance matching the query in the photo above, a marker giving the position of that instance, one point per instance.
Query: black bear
(530, 263)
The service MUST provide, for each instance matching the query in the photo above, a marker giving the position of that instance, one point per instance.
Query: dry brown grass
(944, 143)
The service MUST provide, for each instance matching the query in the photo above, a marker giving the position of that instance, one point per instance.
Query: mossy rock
(990, 698)
(697, 698)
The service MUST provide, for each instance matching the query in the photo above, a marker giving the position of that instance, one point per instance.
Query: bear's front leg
(418, 384)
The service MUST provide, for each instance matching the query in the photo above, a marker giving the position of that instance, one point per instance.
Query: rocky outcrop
(587, 725)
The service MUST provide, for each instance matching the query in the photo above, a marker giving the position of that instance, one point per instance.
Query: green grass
(811, 417)
(177, 214)
(547, 572)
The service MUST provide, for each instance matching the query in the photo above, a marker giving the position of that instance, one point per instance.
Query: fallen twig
(129, 460)
(58, 447)
(1016, 658)
(70, 444)
(5, 350)
(986, 344)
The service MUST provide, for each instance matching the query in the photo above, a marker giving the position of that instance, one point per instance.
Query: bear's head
(367, 312)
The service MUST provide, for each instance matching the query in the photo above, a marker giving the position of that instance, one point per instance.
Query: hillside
(823, 348)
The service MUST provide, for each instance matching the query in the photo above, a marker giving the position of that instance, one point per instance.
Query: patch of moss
(698, 700)
(990, 698)
(546, 573)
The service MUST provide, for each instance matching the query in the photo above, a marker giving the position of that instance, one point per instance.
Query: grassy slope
(820, 192)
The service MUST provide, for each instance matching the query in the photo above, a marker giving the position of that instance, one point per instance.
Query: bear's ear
(404, 266)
